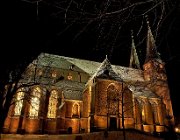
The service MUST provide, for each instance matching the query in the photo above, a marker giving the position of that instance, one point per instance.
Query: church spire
(134, 60)
(151, 50)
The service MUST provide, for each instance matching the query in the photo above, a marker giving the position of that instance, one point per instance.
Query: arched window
(75, 110)
(112, 99)
(112, 92)
(19, 102)
(35, 102)
(52, 107)
(143, 114)
(154, 106)
(54, 74)
(138, 111)
(155, 113)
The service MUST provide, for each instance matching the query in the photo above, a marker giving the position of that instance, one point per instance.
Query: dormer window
(71, 67)
(106, 72)
(39, 72)
(69, 77)
(54, 74)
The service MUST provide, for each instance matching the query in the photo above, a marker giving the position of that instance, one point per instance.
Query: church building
(59, 95)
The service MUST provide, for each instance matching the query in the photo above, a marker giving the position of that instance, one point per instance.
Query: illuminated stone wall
(101, 95)
(99, 107)
(32, 125)
(141, 113)
(82, 116)
(155, 74)
(86, 103)
(73, 123)
(7, 122)
(108, 104)
(85, 124)
(65, 116)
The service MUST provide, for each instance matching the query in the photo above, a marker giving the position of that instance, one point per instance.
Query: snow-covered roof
(73, 90)
(87, 66)
(142, 91)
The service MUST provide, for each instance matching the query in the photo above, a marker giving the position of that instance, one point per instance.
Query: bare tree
(110, 21)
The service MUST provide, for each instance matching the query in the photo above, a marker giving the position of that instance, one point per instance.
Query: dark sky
(24, 36)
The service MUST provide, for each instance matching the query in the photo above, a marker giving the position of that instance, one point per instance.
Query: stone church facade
(60, 94)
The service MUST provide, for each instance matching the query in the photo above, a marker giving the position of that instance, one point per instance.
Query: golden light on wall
(143, 115)
(177, 129)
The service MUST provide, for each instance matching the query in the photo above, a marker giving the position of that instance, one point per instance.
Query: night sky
(24, 35)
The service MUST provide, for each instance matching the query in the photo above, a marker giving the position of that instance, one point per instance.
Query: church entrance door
(113, 123)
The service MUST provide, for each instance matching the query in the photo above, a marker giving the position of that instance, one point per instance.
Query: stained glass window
(155, 113)
(19, 102)
(52, 107)
(35, 102)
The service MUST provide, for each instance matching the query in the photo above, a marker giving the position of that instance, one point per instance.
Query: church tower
(153, 67)
(155, 75)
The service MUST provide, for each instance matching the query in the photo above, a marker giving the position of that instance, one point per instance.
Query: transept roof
(71, 89)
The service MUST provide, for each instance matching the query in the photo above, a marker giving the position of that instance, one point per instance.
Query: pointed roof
(105, 70)
(134, 60)
(151, 50)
